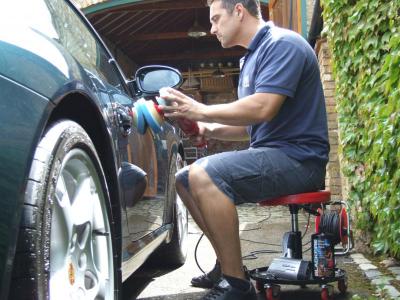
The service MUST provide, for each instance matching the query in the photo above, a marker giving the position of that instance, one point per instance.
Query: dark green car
(85, 200)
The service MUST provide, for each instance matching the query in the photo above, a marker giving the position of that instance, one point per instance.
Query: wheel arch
(175, 149)
(81, 109)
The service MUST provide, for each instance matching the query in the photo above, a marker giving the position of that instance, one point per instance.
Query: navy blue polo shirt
(280, 61)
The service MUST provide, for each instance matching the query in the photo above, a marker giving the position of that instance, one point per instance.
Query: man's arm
(253, 109)
(223, 132)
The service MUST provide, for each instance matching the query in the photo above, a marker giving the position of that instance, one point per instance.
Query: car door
(150, 153)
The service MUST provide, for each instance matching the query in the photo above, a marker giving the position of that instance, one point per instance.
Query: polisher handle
(190, 128)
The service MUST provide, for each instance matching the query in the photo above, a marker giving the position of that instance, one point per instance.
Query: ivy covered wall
(364, 38)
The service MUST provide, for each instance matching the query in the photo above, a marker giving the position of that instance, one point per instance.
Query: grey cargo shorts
(258, 174)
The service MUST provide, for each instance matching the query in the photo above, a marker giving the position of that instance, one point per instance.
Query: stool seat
(303, 198)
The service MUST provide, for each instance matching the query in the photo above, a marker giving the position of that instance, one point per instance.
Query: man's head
(253, 6)
(231, 18)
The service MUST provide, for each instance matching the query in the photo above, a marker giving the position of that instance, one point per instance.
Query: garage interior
(177, 33)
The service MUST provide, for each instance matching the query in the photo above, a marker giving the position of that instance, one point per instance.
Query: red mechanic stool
(331, 228)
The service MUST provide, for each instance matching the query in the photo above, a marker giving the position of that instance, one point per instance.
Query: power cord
(195, 253)
(307, 226)
(253, 254)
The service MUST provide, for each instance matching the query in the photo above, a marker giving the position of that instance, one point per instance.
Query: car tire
(173, 254)
(64, 248)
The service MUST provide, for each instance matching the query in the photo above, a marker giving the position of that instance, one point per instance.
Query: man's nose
(213, 30)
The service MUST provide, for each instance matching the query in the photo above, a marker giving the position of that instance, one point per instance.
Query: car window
(56, 19)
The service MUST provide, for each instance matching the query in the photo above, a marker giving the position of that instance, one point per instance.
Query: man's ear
(239, 10)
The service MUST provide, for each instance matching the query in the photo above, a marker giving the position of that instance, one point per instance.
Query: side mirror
(150, 79)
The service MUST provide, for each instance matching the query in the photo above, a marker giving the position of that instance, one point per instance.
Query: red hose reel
(341, 228)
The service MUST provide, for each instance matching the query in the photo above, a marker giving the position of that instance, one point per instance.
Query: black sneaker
(208, 280)
(224, 291)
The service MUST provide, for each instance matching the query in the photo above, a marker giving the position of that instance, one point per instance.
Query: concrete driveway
(261, 231)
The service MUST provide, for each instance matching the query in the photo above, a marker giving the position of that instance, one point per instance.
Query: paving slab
(360, 261)
(368, 266)
(394, 270)
(382, 280)
(393, 293)
(372, 274)
(357, 256)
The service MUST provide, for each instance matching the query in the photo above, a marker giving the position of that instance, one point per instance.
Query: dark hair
(253, 6)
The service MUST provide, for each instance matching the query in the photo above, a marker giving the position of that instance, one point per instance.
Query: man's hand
(180, 106)
(202, 137)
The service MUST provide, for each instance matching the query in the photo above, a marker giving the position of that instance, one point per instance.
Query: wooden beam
(206, 55)
(299, 17)
(125, 6)
(272, 3)
(170, 5)
(162, 36)
(108, 5)
(125, 39)
(208, 72)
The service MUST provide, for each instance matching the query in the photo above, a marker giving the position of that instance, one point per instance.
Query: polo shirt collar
(259, 35)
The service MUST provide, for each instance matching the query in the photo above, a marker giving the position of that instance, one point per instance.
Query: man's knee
(198, 178)
(192, 178)
(182, 178)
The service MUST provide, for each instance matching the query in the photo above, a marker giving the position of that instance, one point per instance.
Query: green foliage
(364, 37)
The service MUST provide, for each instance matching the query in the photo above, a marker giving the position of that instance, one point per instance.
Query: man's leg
(193, 209)
(212, 277)
(219, 216)
(238, 177)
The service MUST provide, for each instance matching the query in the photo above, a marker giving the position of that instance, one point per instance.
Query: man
(281, 110)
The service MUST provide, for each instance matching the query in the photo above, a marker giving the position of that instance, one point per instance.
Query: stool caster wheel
(327, 292)
(273, 292)
(342, 286)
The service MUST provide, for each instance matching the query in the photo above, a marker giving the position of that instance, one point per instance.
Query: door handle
(124, 120)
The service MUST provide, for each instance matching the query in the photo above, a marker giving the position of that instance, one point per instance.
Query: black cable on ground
(195, 253)
(253, 254)
(262, 243)
(307, 226)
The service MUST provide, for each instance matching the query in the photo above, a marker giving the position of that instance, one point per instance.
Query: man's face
(223, 24)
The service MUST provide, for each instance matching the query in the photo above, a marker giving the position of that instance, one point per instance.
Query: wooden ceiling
(155, 32)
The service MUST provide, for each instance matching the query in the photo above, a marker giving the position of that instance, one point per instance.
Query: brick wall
(333, 179)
